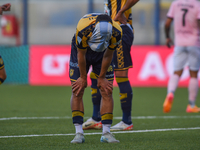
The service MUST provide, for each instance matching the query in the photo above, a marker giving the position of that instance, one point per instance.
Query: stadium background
(47, 25)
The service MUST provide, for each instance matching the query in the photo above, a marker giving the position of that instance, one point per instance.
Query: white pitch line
(117, 118)
(96, 133)
(27, 118)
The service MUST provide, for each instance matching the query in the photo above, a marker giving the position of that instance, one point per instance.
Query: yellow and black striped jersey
(111, 7)
(85, 28)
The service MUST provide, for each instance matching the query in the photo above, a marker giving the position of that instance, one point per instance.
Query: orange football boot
(194, 109)
(168, 103)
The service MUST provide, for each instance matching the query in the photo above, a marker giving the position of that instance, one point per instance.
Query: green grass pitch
(39, 118)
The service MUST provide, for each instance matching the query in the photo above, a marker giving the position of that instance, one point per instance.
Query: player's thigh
(194, 58)
(121, 73)
(96, 69)
(122, 57)
(180, 58)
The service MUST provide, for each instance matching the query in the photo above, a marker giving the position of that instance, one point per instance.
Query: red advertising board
(152, 66)
(49, 65)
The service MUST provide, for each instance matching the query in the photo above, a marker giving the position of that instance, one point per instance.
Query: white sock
(106, 128)
(193, 89)
(173, 83)
(78, 128)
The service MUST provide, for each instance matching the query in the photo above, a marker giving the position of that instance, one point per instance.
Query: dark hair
(103, 17)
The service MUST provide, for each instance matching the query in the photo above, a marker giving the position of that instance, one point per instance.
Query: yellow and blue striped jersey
(111, 7)
(85, 28)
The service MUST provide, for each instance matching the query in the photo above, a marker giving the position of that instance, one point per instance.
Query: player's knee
(106, 94)
(193, 74)
(124, 85)
(179, 72)
(3, 75)
(2, 78)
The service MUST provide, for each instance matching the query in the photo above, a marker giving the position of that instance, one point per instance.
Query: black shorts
(122, 57)
(1, 63)
(93, 59)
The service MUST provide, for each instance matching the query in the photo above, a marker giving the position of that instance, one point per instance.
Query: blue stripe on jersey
(109, 7)
(118, 5)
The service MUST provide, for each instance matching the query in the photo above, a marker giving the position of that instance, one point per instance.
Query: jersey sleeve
(170, 13)
(81, 40)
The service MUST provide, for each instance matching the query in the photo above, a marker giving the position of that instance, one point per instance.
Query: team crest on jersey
(87, 31)
(115, 33)
(110, 68)
(71, 72)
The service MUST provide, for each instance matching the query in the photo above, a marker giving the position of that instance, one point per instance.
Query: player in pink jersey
(186, 16)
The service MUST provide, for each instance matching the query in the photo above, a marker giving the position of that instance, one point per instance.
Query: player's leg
(77, 115)
(95, 121)
(2, 71)
(96, 98)
(194, 64)
(180, 58)
(76, 101)
(107, 117)
(126, 95)
(171, 88)
(106, 107)
(122, 61)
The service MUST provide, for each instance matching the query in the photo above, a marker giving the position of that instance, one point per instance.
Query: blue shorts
(122, 57)
(93, 59)
(1, 63)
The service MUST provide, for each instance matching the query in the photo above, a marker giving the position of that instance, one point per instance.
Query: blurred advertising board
(152, 66)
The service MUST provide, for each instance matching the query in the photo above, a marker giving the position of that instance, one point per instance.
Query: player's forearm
(167, 27)
(129, 4)
(107, 59)
(167, 30)
(82, 63)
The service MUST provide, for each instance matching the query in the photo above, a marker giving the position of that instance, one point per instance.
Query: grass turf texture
(54, 101)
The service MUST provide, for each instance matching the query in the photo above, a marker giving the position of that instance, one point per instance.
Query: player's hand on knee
(79, 85)
(105, 85)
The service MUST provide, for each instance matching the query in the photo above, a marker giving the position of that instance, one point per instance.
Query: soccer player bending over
(96, 38)
(120, 11)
